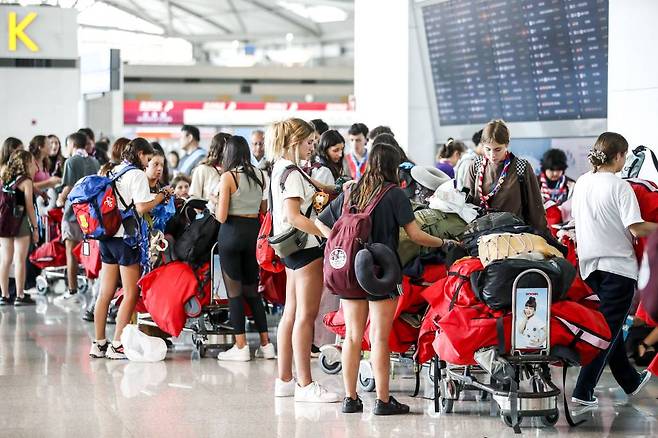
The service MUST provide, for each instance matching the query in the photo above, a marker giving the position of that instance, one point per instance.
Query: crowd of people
(282, 169)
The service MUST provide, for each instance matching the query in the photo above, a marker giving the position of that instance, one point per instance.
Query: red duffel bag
(166, 289)
(457, 288)
(92, 262)
(583, 329)
(49, 254)
(464, 330)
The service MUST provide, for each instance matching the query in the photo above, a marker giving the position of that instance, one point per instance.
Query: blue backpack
(94, 201)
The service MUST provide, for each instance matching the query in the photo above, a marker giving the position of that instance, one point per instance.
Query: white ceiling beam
(315, 31)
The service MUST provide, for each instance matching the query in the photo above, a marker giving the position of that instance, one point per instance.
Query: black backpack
(195, 244)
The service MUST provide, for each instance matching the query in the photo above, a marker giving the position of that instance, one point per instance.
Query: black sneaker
(5, 301)
(393, 407)
(25, 300)
(88, 316)
(351, 406)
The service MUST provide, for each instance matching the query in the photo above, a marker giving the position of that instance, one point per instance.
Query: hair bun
(597, 157)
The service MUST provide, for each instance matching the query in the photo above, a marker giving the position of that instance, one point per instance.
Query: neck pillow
(378, 270)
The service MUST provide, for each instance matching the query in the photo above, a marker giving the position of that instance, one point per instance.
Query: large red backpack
(348, 236)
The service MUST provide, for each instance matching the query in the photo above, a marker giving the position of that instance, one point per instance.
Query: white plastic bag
(141, 347)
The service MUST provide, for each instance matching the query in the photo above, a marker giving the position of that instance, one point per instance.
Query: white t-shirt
(534, 332)
(604, 206)
(323, 175)
(296, 186)
(133, 186)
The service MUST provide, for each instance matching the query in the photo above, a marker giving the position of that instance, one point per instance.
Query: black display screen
(519, 60)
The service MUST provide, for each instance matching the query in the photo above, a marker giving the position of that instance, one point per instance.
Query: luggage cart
(210, 328)
(51, 275)
(519, 382)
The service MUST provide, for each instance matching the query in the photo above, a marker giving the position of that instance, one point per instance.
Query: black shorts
(237, 249)
(366, 296)
(115, 251)
(303, 258)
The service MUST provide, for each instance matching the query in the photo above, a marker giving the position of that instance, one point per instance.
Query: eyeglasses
(259, 143)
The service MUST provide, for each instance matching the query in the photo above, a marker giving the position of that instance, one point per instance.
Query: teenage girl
(118, 258)
(607, 219)
(288, 143)
(241, 199)
(20, 168)
(393, 211)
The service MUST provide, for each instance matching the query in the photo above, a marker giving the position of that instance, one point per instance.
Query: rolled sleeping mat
(378, 270)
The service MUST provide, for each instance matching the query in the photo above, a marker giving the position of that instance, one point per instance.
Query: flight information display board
(519, 60)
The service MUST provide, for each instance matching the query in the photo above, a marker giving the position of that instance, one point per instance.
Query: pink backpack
(348, 236)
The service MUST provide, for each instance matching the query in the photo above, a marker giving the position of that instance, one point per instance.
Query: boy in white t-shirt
(607, 219)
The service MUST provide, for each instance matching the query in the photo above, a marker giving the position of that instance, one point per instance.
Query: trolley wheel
(42, 285)
(83, 286)
(329, 367)
(446, 405)
(550, 420)
(507, 419)
(482, 396)
(366, 384)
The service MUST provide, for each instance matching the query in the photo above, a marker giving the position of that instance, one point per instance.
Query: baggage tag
(86, 250)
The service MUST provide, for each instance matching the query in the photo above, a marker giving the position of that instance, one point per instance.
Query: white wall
(632, 73)
(381, 65)
(104, 114)
(38, 101)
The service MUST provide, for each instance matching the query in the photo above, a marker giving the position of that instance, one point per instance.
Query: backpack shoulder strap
(123, 171)
(290, 169)
(371, 206)
(521, 165)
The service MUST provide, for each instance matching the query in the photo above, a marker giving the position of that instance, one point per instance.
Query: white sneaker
(98, 351)
(266, 351)
(315, 393)
(115, 353)
(284, 389)
(68, 299)
(236, 354)
(646, 376)
(591, 403)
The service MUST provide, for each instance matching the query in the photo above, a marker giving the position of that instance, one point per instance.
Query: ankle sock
(101, 342)
(116, 344)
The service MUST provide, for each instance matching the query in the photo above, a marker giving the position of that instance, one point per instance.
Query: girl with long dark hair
(206, 175)
(121, 260)
(40, 151)
(241, 199)
(392, 212)
(56, 158)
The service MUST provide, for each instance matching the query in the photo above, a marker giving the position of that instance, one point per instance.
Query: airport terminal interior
(328, 218)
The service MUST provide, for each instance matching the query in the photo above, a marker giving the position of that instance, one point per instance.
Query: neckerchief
(484, 199)
(558, 194)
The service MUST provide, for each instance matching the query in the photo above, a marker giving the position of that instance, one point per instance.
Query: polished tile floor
(50, 388)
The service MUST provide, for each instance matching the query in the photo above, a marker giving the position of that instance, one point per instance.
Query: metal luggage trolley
(519, 382)
(211, 329)
(50, 275)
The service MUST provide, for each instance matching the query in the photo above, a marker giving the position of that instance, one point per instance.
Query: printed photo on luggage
(531, 295)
